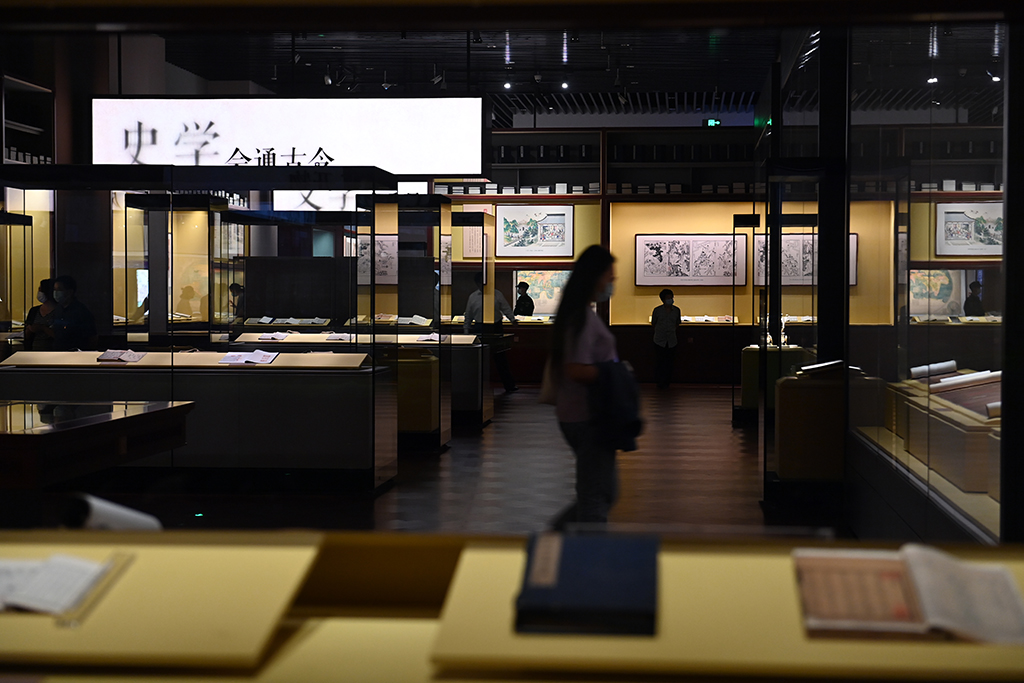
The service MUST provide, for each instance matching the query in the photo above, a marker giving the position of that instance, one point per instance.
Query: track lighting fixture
(933, 80)
(477, 37)
(507, 85)
(565, 84)
(385, 84)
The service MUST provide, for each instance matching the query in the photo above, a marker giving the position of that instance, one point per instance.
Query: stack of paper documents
(258, 357)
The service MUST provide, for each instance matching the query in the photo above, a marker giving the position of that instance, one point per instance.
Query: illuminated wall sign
(411, 136)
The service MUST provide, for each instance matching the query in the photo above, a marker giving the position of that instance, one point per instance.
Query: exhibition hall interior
(279, 294)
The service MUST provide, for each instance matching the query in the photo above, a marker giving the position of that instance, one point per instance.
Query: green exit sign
(712, 123)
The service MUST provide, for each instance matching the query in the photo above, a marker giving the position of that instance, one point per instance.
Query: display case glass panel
(928, 435)
(25, 218)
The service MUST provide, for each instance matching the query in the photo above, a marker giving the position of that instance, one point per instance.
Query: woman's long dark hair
(576, 297)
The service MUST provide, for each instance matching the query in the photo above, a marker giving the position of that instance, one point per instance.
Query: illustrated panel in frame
(969, 229)
(938, 292)
(534, 230)
(799, 259)
(385, 260)
(668, 260)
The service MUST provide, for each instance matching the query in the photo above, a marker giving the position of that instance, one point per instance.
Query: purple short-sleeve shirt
(594, 344)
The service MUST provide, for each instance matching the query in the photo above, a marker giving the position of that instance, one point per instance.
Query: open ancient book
(916, 591)
(120, 355)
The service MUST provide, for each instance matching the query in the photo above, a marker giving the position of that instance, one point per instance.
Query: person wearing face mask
(73, 324)
(39, 321)
(580, 342)
(665, 319)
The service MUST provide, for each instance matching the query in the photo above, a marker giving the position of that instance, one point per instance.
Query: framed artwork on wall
(902, 257)
(385, 259)
(668, 260)
(546, 288)
(969, 229)
(799, 259)
(531, 231)
(937, 292)
(446, 259)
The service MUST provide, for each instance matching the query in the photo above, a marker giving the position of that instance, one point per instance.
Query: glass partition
(25, 219)
(929, 434)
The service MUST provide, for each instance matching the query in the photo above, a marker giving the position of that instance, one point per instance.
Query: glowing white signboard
(405, 136)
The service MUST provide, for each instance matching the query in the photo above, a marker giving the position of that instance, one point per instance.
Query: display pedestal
(781, 362)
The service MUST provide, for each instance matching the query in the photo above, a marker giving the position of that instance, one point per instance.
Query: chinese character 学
(193, 140)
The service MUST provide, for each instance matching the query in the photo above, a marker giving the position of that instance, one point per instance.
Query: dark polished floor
(693, 469)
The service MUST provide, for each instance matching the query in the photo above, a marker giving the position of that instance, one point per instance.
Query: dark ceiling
(610, 72)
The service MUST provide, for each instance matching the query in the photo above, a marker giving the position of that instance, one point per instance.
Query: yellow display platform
(321, 650)
(199, 359)
(721, 611)
(404, 339)
(206, 601)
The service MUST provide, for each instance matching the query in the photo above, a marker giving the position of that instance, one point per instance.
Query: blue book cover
(589, 584)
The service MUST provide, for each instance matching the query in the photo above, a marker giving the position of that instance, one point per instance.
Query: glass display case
(408, 263)
(238, 309)
(925, 446)
(25, 219)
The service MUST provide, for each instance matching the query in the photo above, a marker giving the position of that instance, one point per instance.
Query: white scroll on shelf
(943, 368)
(971, 380)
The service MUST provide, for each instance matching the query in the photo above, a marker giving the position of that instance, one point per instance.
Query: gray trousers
(597, 481)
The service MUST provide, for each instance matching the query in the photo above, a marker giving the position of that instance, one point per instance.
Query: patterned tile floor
(693, 469)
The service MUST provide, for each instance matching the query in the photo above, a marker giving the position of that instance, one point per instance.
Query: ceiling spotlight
(437, 77)
(274, 77)
(296, 58)
(327, 79)
(933, 80)
(385, 84)
(622, 98)
(565, 85)
(477, 38)
(444, 81)
(536, 78)
(995, 79)
(507, 85)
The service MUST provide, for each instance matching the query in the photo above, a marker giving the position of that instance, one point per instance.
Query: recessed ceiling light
(507, 85)
(564, 85)
(933, 80)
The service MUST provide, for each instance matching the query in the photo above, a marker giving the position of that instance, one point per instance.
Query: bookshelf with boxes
(528, 163)
(693, 161)
(28, 122)
(954, 158)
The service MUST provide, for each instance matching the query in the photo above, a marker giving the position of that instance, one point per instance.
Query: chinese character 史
(138, 138)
